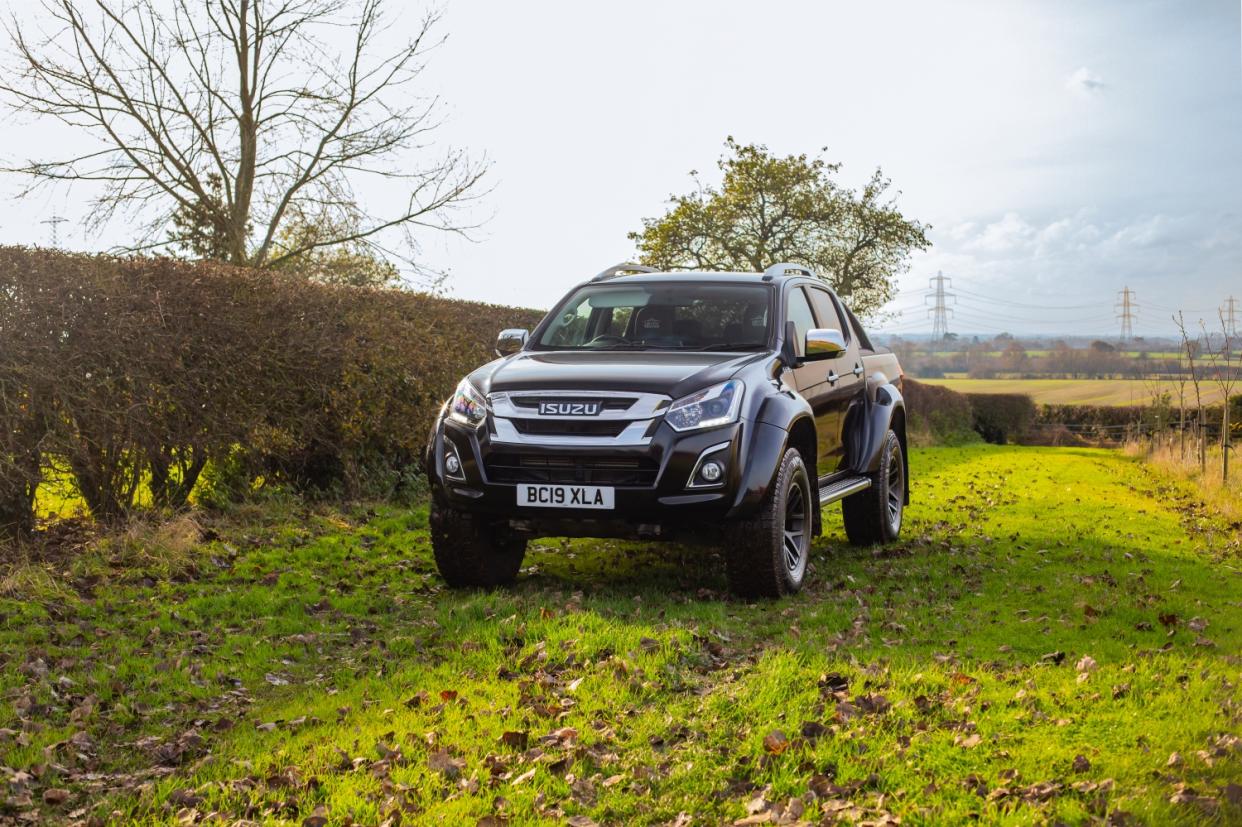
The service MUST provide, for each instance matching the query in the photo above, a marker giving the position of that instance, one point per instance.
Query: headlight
(468, 405)
(717, 405)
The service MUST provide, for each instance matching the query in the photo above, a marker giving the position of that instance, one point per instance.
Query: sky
(1061, 151)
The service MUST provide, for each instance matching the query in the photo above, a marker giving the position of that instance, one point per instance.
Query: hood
(674, 374)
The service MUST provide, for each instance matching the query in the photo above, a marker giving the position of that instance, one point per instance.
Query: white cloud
(1085, 82)
(1009, 233)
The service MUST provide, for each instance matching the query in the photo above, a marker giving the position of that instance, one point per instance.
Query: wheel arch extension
(887, 411)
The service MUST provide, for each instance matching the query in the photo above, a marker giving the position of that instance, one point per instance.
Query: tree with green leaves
(769, 209)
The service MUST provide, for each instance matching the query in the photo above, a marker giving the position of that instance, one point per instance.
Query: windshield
(678, 316)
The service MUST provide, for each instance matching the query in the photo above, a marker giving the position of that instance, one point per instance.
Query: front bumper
(650, 481)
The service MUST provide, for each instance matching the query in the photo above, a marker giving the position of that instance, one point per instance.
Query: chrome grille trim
(509, 405)
(645, 405)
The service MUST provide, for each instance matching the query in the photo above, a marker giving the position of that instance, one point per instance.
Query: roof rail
(622, 268)
(785, 267)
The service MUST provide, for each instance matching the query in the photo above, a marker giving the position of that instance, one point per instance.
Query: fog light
(452, 462)
(711, 471)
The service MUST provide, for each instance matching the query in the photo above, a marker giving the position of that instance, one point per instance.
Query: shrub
(999, 417)
(137, 373)
(938, 415)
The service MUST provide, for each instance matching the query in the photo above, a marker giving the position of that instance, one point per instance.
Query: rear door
(844, 383)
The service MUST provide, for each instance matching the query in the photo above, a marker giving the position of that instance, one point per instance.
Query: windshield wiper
(730, 346)
(619, 346)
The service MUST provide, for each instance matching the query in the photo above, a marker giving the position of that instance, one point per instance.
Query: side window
(863, 341)
(799, 312)
(826, 312)
(570, 327)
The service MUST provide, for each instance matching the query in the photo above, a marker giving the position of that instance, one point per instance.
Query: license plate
(565, 496)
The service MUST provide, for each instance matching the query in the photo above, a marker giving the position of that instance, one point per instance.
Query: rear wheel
(767, 555)
(472, 552)
(874, 515)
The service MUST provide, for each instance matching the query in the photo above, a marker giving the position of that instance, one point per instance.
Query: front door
(816, 382)
(844, 382)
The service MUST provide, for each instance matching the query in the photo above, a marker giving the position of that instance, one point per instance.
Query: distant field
(1077, 391)
(1035, 354)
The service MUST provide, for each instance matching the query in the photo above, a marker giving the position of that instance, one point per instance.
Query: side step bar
(840, 489)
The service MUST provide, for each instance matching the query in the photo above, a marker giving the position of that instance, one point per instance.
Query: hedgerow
(137, 373)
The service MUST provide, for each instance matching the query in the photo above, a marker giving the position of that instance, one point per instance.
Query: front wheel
(471, 552)
(767, 555)
(874, 514)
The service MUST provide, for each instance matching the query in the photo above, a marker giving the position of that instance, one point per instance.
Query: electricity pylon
(939, 312)
(55, 221)
(1126, 308)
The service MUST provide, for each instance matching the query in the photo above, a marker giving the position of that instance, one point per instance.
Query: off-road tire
(471, 552)
(757, 556)
(874, 515)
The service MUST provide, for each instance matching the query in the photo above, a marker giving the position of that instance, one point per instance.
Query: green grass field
(1056, 638)
(1080, 391)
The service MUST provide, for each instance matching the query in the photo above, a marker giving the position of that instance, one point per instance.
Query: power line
(940, 313)
(1026, 305)
(1230, 311)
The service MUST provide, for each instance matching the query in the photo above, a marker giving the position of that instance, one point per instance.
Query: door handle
(832, 377)
(858, 369)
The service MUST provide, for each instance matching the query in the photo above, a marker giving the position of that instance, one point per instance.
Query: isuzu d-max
(725, 408)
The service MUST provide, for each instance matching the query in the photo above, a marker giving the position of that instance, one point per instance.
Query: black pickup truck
(725, 408)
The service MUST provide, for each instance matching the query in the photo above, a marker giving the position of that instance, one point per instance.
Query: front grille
(606, 403)
(570, 427)
(515, 468)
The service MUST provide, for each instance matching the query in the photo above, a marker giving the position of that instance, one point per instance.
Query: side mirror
(823, 344)
(511, 340)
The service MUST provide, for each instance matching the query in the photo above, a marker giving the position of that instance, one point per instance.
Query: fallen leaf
(1081, 764)
(970, 741)
(184, 798)
(443, 762)
(55, 795)
(1085, 664)
(775, 742)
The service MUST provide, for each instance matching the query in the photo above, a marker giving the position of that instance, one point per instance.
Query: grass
(1057, 637)
(1080, 391)
(1182, 461)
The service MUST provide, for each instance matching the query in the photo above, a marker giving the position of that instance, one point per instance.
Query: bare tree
(1180, 379)
(215, 120)
(1190, 346)
(1226, 375)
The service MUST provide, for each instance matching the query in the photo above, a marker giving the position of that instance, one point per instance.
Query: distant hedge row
(942, 416)
(136, 374)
